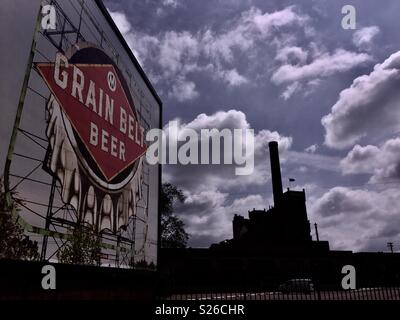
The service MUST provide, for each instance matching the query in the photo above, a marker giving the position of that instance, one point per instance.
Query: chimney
(275, 171)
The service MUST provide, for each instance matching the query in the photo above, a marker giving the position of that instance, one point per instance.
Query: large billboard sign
(73, 138)
(93, 123)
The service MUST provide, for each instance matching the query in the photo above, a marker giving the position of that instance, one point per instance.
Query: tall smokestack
(275, 171)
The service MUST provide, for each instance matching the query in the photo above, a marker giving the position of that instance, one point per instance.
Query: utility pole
(390, 246)
(316, 231)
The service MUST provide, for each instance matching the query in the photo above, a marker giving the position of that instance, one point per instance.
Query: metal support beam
(20, 107)
(48, 219)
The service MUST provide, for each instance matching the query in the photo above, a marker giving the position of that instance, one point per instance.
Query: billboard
(76, 150)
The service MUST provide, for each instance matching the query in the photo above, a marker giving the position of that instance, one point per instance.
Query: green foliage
(83, 248)
(173, 234)
(144, 265)
(169, 194)
(14, 244)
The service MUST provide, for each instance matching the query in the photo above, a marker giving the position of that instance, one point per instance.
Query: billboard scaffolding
(76, 152)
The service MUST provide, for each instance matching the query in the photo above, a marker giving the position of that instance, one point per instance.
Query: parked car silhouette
(297, 285)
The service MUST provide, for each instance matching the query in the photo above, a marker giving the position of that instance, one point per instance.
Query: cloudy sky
(289, 71)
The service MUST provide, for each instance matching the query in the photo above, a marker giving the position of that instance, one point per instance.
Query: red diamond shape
(116, 148)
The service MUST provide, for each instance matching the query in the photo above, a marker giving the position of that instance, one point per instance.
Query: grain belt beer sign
(76, 109)
(96, 141)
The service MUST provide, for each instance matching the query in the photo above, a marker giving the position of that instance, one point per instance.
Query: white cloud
(265, 136)
(142, 45)
(299, 76)
(323, 66)
(170, 3)
(267, 21)
(317, 161)
(368, 108)
(183, 90)
(382, 163)
(222, 177)
(175, 49)
(360, 160)
(232, 77)
(291, 90)
(292, 55)
(214, 192)
(121, 21)
(363, 38)
(303, 169)
(252, 26)
(312, 148)
(209, 214)
(170, 55)
(208, 211)
(311, 86)
(219, 120)
(357, 219)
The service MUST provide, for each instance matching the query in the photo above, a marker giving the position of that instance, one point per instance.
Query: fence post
(317, 288)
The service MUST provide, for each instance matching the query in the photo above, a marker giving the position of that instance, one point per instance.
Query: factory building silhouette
(283, 227)
(271, 246)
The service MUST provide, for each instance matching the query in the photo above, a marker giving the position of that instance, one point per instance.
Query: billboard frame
(46, 232)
